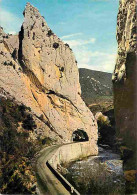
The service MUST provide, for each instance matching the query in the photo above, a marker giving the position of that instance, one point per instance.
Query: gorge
(47, 129)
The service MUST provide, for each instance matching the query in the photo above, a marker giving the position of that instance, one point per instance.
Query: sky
(88, 26)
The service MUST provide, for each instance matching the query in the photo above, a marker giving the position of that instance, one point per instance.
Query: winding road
(53, 185)
(49, 159)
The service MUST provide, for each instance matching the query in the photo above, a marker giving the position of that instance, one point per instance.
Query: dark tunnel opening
(80, 136)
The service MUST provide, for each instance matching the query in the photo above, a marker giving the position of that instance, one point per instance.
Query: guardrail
(64, 182)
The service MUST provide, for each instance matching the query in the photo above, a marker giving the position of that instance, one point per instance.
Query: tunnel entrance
(79, 136)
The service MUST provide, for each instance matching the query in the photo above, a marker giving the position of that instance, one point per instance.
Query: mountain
(42, 73)
(40, 99)
(95, 85)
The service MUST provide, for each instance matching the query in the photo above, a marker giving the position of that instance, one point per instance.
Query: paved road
(53, 185)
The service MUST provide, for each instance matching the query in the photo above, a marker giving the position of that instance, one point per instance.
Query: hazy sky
(88, 26)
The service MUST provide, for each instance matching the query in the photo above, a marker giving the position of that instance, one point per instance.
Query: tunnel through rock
(79, 135)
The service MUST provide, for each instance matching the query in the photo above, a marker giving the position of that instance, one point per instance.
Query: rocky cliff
(40, 71)
(125, 80)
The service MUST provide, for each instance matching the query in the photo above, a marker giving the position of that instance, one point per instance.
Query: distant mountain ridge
(95, 84)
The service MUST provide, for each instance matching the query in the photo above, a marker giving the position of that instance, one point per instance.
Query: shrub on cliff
(55, 45)
(46, 140)
(103, 121)
(106, 129)
(50, 33)
(29, 123)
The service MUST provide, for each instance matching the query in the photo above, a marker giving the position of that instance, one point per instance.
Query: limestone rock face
(40, 71)
(125, 75)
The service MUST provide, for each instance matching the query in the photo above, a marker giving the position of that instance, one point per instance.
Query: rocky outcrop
(40, 71)
(125, 80)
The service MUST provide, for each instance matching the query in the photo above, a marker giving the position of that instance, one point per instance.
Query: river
(102, 174)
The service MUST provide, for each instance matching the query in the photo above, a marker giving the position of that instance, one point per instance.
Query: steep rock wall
(40, 71)
(125, 78)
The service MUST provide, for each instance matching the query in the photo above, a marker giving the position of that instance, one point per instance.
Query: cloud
(79, 42)
(12, 32)
(95, 60)
(62, 23)
(9, 21)
(71, 35)
(89, 58)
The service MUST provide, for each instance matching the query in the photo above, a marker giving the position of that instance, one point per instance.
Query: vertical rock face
(41, 72)
(47, 57)
(125, 76)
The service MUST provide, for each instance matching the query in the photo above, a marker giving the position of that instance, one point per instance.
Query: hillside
(96, 87)
(95, 84)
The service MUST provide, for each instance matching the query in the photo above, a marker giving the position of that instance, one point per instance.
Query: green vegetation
(47, 141)
(131, 183)
(29, 123)
(101, 104)
(9, 64)
(50, 33)
(16, 152)
(103, 121)
(98, 181)
(96, 86)
(106, 129)
(67, 45)
(18, 149)
(55, 45)
(5, 36)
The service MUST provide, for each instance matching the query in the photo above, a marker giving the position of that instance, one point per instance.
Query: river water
(102, 174)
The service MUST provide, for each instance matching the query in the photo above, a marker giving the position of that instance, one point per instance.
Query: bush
(46, 141)
(106, 129)
(66, 44)
(5, 63)
(62, 69)
(55, 45)
(29, 123)
(103, 121)
(9, 64)
(50, 33)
